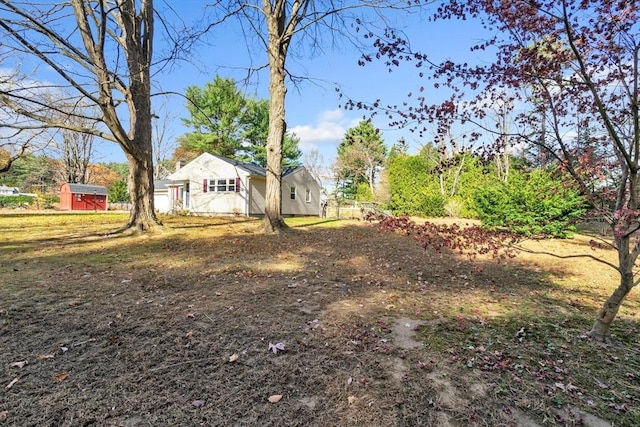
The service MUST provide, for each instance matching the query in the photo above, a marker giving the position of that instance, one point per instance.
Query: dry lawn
(178, 329)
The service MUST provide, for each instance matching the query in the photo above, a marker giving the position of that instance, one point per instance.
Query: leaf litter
(355, 279)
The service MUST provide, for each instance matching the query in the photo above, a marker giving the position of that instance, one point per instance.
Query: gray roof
(161, 184)
(254, 169)
(87, 189)
(289, 171)
(251, 168)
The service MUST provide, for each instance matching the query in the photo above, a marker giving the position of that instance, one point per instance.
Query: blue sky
(312, 107)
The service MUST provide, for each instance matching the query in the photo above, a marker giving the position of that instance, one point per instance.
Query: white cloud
(325, 134)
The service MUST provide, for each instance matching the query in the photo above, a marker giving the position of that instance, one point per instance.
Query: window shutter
(237, 184)
(204, 186)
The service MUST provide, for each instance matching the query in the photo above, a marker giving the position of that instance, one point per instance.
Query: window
(293, 193)
(78, 197)
(222, 185)
(307, 196)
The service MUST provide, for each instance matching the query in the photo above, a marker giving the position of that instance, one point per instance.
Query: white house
(9, 191)
(212, 184)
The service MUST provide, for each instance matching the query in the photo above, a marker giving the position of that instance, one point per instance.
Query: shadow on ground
(176, 329)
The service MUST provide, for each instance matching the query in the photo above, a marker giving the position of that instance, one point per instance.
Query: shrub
(535, 203)
(118, 192)
(414, 189)
(18, 201)
(363, 192)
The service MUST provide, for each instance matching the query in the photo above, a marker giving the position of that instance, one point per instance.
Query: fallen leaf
(45, 356)
(190, 315)
(113, 340)
(3, 416)
(60, 376)
(64, 349)
(233, 357)
(19, 365)
(352, 400)
(198, 403)
(12, 383)
(118, 315)
(276, 347)
(275, 398)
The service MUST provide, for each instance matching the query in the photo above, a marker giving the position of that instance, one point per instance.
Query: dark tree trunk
(601, 330)
(142, 216)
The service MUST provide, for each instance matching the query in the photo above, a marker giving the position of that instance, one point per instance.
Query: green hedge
(16, 201)
(535, 203)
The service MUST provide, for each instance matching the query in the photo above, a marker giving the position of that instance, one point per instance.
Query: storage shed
(82, 197)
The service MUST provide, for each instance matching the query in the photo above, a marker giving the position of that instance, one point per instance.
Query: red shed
(82, 197)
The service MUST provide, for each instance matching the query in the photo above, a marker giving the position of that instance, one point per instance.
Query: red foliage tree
(569, 65)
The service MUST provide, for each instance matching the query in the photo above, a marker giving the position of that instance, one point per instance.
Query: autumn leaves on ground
(329, 324)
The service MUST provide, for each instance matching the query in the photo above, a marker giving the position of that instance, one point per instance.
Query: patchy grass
(139, 330)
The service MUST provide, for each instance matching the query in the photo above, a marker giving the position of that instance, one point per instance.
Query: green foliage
(360, 155)
(30, 173)
(217, 111)
(17, 201)
(228, 124)
(118, 192)
(255, 137)
(363, 193)
(414, 189)
(399, 148)
(122, 169)
(532, 203)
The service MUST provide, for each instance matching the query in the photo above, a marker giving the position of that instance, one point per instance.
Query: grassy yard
(329, 324)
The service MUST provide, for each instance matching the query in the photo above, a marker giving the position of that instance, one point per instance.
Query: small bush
(454, 208)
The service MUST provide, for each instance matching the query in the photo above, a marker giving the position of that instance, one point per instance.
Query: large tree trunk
(273, 221)
(142, 216)
(601, 330)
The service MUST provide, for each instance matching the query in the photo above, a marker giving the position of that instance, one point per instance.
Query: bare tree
(314, 163)
(76, 151)
(276, 23)
(17, 137)
(163, 143)
(101, 51)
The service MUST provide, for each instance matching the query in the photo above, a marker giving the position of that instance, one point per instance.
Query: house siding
(250, 199)
(257, 191)
(212, 202)
(302, 180)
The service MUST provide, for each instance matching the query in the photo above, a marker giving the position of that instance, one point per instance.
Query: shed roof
(87, 189)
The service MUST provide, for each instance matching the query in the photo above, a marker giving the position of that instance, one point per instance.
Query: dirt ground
(330, 323)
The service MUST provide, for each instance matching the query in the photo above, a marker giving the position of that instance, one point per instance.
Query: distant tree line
(527, 196)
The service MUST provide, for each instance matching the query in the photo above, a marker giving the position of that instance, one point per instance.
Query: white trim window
(292, 193)
(224, 185)
(307, 196)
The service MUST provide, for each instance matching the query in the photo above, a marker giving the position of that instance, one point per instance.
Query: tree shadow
(168, 310)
